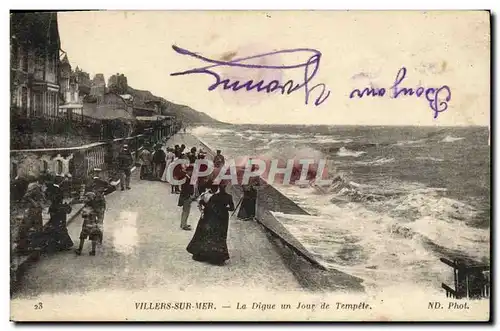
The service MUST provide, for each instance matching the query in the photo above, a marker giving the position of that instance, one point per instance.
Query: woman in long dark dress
(209, 243)
(58, 237)
(247, 210)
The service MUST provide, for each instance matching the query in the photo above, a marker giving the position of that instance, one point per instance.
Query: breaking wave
(378, 161)
(385, 230)
(346, 152)
(450, 139)
(410, 142)
(205, 131)
(429, 158)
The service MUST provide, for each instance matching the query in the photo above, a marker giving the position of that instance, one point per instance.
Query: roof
(105, 112)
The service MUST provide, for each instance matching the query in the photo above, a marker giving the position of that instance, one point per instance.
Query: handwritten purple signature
(311, 67)
(438, 98)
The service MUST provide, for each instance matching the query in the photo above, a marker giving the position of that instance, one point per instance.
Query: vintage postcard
(250, 166)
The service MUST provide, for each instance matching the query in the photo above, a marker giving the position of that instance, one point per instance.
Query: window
(51, 65)
(24, 100)
(47, 109)
(14, 170)
(56, 102)
(25, 60)
(45, 166)
(14, 55)
(38, 109)
(59, 167)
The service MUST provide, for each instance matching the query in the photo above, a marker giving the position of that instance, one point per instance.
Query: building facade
(98, 86)
(118, 84)
(71, 101)
(35, 47)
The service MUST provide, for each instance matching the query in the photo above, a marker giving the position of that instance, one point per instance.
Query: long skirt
(57, 238)
(165, 172)
(247, 209)
(209, 242)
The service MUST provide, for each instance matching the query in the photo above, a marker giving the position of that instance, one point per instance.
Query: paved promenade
(145, 248)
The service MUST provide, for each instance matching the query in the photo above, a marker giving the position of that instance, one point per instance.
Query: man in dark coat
(125, 162)
(159, 161)
(186, 198)
(192, 155)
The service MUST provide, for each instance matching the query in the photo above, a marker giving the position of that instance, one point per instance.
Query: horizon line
(371, 125)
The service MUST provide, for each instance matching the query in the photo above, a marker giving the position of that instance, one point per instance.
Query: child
(91, 227)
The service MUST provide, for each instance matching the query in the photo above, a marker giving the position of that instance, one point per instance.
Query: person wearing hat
(100, 188)
(35, 198)
(192, 155)
(169, 158)
(186, 197)
(125, 163)
(219, 159)
(146, 160)
(57, 236)
(201, 154)
(159, 160)
(209, 243)
(91, 228)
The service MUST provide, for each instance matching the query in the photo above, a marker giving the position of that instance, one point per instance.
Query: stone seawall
(302, 263)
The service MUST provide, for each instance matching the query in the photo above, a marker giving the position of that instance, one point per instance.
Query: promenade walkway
(145, 248)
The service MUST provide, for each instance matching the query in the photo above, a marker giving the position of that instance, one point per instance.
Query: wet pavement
(144, 247)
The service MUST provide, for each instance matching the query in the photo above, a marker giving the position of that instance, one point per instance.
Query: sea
(400, 198)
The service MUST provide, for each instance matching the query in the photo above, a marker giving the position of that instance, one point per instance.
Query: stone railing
(73, 162)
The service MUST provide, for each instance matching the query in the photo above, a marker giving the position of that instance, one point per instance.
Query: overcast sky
(359, 49)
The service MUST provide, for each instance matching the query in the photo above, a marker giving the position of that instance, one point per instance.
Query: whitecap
(209, 131)
(346, 152)
(378, 161)
(409, 142)
(450, 139)
(430, 158)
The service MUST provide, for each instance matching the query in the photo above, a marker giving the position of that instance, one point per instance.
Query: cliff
(185, 113)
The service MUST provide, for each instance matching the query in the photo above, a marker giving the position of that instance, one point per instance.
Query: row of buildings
(44, 84)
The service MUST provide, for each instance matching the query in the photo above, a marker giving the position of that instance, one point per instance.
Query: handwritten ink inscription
(437, 97)
(310, 67)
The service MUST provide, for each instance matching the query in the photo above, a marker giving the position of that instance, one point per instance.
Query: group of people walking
(209, 242)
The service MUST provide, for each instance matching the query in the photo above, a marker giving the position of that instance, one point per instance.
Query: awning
(152, 118)
(71, 105)
(106, 112)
